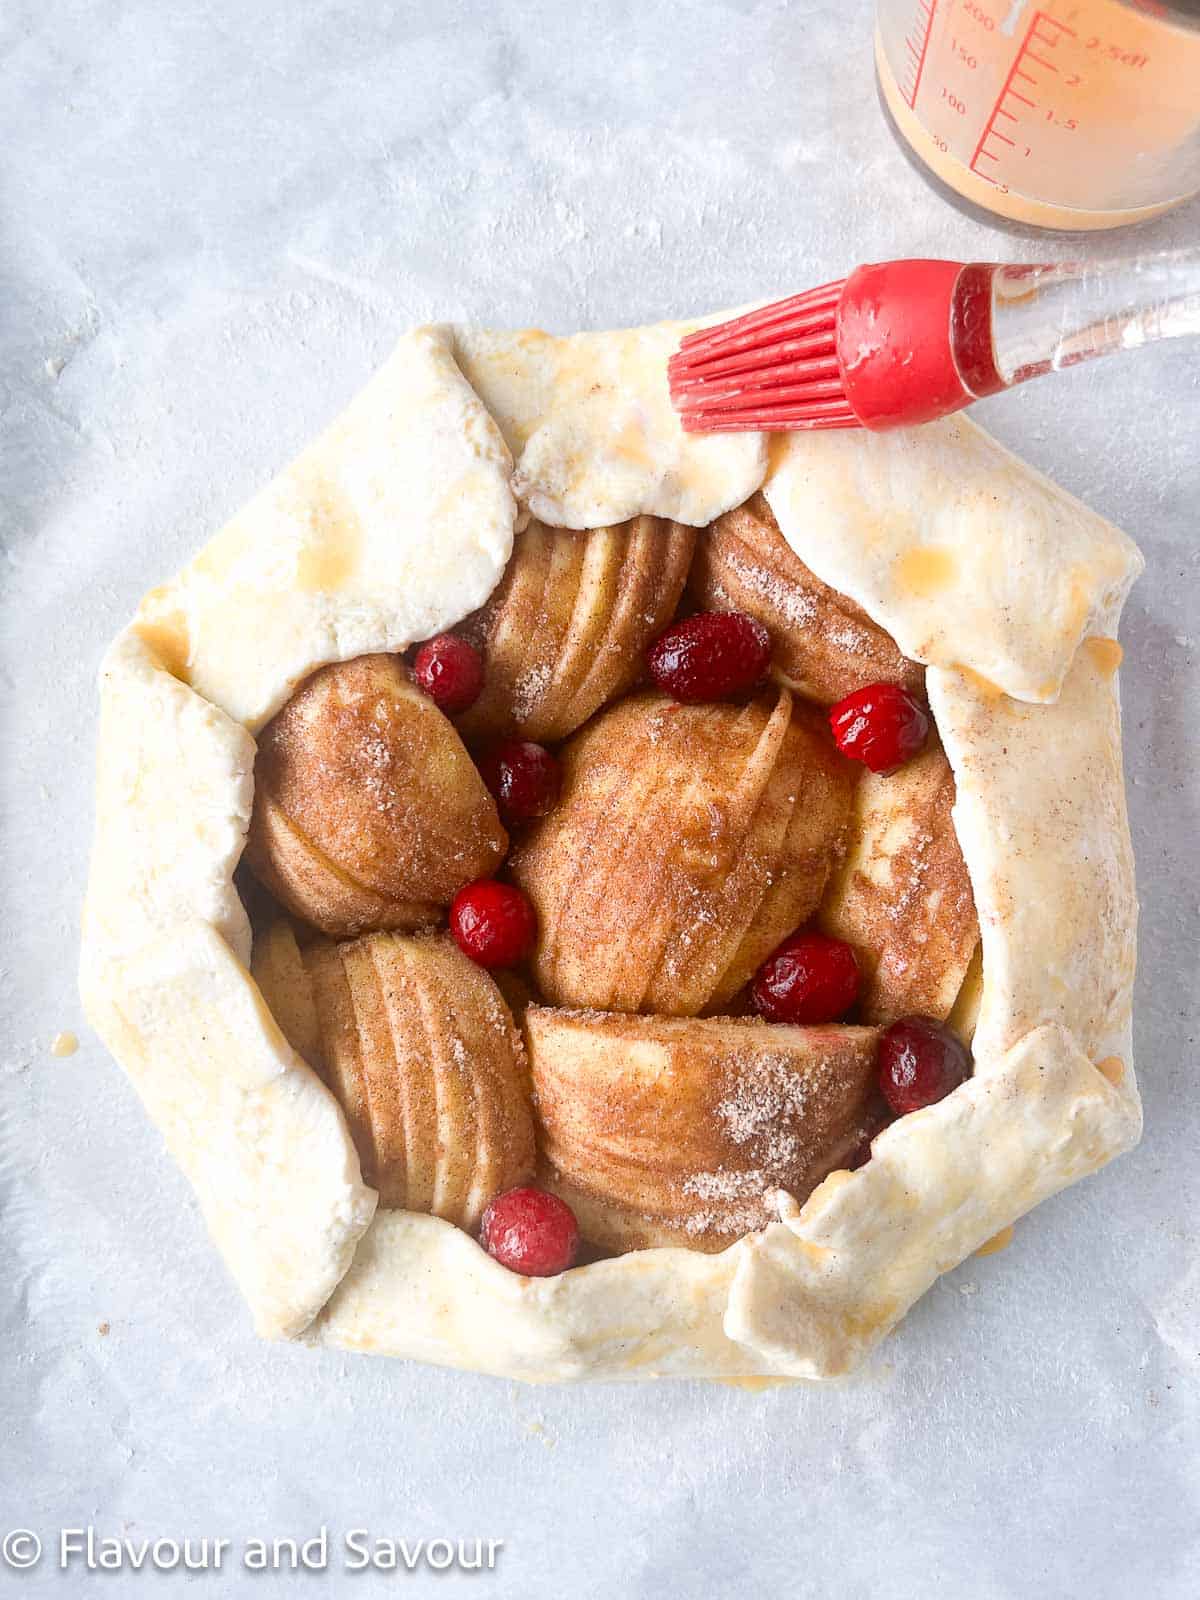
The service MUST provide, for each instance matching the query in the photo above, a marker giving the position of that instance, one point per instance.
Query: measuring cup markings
(918, 51)
(1081, 106)
(1025, 57)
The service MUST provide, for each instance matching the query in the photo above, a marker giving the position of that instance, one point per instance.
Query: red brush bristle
(753, 322)
(775, 368)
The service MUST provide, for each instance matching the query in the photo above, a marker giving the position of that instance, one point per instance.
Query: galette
(580, 899)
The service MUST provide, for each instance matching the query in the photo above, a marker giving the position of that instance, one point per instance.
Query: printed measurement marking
(1024, 57)
(1115, 52)
(917, 42)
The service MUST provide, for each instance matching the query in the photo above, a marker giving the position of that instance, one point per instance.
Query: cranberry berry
(493, 923)
(530, 1231)
(710, 656)
(525, 779)
(450, 671)
(920, 1062)
(882, 726)
(808, 979)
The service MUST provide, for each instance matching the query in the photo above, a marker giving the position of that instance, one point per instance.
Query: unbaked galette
(584, 900)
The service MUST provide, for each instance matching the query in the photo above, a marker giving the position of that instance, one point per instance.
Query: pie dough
(396, 524)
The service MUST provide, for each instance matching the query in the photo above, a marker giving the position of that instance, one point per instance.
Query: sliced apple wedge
(664, 1130)
(902, 896)
(368, 811)
(688, 840)
(568, 627)
(964, 1014)
(417, 1044)
(824, 645)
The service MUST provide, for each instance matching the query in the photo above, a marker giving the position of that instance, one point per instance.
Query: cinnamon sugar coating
(368, 811)
(823, 644)
(679, 1131)
(567, 629)
(688, 840)
(419, 1048)
(902, 896)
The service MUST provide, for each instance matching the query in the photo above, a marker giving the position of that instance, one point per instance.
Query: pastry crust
(1058, 910)
(390, 527)
(592, 430)
(965, 555)
(398, 523)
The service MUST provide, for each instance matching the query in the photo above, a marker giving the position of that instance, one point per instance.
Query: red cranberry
(710, 656)
(493, 923)
(450, 671)
(809, 978)
(531, 1232)
(882, 726)
(525, 779)
(920, 1062)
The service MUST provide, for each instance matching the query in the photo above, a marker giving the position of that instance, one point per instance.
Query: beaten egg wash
(1064, 114)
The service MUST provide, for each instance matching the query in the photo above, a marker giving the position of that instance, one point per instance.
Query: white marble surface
(217, 217)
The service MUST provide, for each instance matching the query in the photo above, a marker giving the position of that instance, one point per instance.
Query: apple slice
(417, 1044)
(687, 841)
(662, 1130)
(368, 811)
(568, 627)
(825, 646)
(902, 896)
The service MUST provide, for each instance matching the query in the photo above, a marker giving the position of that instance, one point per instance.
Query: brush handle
(1045, 318)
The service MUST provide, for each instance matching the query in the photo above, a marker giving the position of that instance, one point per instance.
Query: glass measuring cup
(1063, 114)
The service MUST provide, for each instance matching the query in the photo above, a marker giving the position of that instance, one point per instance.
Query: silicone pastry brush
(906, 341)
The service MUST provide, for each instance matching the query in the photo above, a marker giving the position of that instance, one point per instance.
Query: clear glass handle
(1047, 318)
